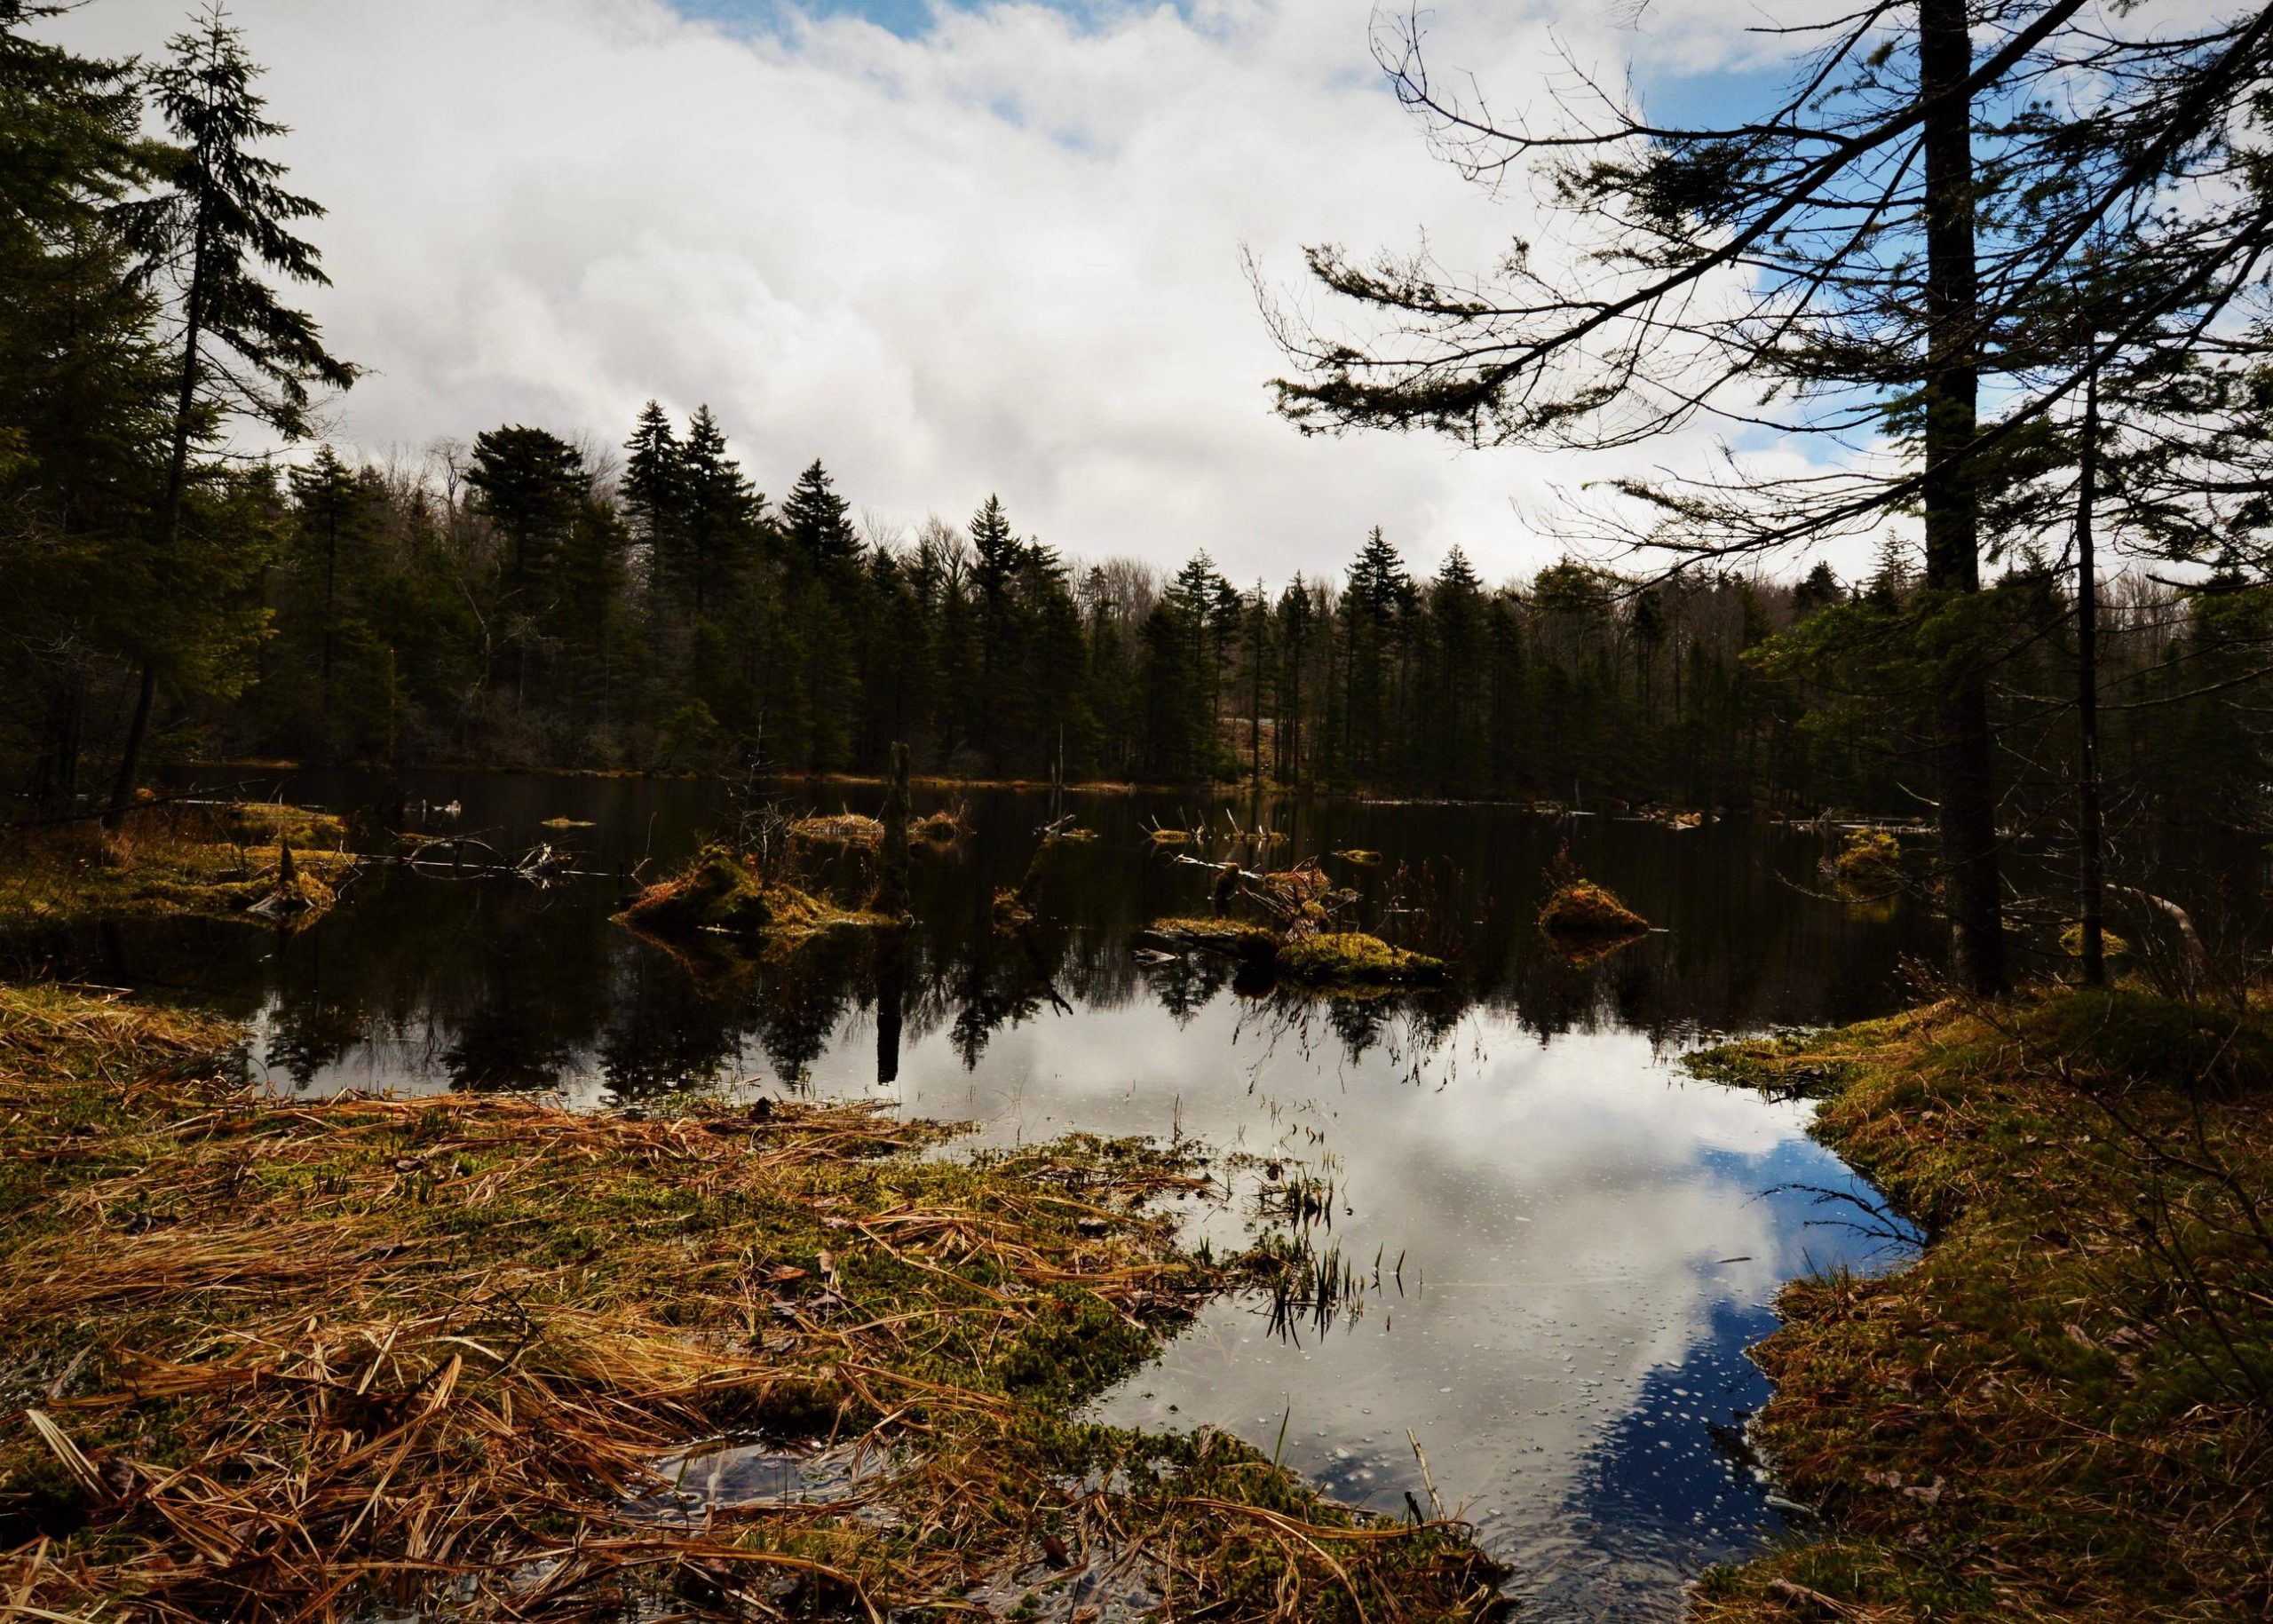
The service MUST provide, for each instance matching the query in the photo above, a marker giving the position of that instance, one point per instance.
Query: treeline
(529, 599)
(522, 600)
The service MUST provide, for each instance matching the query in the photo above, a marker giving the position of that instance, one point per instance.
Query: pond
(1556, 1244)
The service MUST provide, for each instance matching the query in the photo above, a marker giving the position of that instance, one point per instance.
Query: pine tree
(326, 495)
(654, 494)
(718, 507)
(817, 521)
(529, 482)
(223, 221)
(997, 553)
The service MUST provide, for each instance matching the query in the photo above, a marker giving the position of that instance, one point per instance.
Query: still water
(1564, 1243)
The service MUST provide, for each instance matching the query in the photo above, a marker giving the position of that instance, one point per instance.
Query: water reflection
(1588, 1240)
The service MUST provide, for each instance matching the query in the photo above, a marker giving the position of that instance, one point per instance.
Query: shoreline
(276, 1358)
(2057, 1410)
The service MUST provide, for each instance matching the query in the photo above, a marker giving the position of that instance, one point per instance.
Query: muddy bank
(270, 1359)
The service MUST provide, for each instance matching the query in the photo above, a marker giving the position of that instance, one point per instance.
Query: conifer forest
(524, 595)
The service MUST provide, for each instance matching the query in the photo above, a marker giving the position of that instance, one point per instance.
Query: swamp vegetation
(280, 1356)
(2060, 1410)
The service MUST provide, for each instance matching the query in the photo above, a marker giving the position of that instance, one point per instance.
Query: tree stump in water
(892, 884)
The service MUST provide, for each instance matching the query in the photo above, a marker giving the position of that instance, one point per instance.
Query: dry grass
(1585, 914)
(841, 831)
(218, 861)
(2058, 1413)
(272, 1360)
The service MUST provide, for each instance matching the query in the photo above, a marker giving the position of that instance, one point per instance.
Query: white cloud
(1001, 257)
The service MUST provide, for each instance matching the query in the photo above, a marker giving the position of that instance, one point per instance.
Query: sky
(949, 248)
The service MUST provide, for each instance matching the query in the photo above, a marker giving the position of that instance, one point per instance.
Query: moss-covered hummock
(2060, 1411)
(1238, 937)
(720, 893)
(216, 862)
(1353, 959)
(1584, 913)
(266, 822)
(1869, 866)
(324, 1360)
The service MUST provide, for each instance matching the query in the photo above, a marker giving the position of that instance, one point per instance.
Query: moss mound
(266, 822)
(720, 893)
(1009, 912)
(938, 828)
(1583, 912)
(2111, 945)
(1869, 866)
(1240, 936)
(1353, 959)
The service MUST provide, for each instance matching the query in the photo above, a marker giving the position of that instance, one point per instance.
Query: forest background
(523, 597)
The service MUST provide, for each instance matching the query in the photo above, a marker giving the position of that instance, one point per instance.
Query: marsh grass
(272, 1360)
(2060, 1410)
(841, 831)
(209, 859)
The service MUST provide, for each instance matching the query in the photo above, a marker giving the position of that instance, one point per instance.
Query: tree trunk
(2090, 885)
(169, 527)
(1967, 780)
(891, 887)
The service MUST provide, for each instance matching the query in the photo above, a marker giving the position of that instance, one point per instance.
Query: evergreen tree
(654, 494)
(817, 521)
(326, 495)
(222, 223)
(718, 509)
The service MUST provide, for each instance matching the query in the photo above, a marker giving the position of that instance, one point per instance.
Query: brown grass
(848, 830)
(275, 1359)
(218, 861)
(2057, 1413)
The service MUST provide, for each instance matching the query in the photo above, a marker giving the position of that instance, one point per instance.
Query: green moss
(265, 822)
(1240, 937)
(1869, 866)
(1351, 958)
(172, 861)
(2112, 946)
(2048, 1414)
